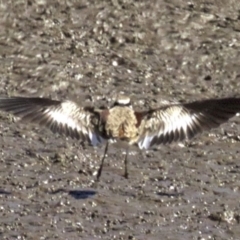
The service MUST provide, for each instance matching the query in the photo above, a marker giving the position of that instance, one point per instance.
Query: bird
(173, 122)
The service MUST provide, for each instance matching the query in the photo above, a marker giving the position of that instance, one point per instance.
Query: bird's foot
(126, 175)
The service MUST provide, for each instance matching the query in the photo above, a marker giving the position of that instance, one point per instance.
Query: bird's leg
(126, 163)
(101, 166)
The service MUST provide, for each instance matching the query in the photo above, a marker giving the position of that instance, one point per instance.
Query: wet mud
(89, 51)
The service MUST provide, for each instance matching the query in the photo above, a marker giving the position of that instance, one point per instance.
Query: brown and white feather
(64, 117)
(169, 123)
(183, 121)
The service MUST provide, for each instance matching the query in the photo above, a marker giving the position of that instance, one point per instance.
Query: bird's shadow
(82, 194)
(4, 192)
(177, 194)
(77, 194)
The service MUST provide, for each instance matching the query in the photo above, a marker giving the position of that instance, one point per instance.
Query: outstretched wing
(64, 117)
(183, 121)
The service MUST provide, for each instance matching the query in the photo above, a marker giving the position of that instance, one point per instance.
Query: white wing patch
(95, 139)
(61, 118)
(145, 143)
(68, 115)
(167, 122)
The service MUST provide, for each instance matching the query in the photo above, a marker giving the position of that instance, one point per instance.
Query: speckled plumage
(121, 123)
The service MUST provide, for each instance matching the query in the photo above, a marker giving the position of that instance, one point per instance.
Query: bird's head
(122, 100)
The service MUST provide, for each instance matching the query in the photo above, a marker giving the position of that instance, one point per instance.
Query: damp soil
(89, 51)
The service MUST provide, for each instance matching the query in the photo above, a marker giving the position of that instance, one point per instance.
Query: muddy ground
(89, 51)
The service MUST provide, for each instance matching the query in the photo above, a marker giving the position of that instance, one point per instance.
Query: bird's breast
(121, 124)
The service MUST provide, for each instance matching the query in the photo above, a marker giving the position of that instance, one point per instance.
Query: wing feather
(64, 117)
(177, 122)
